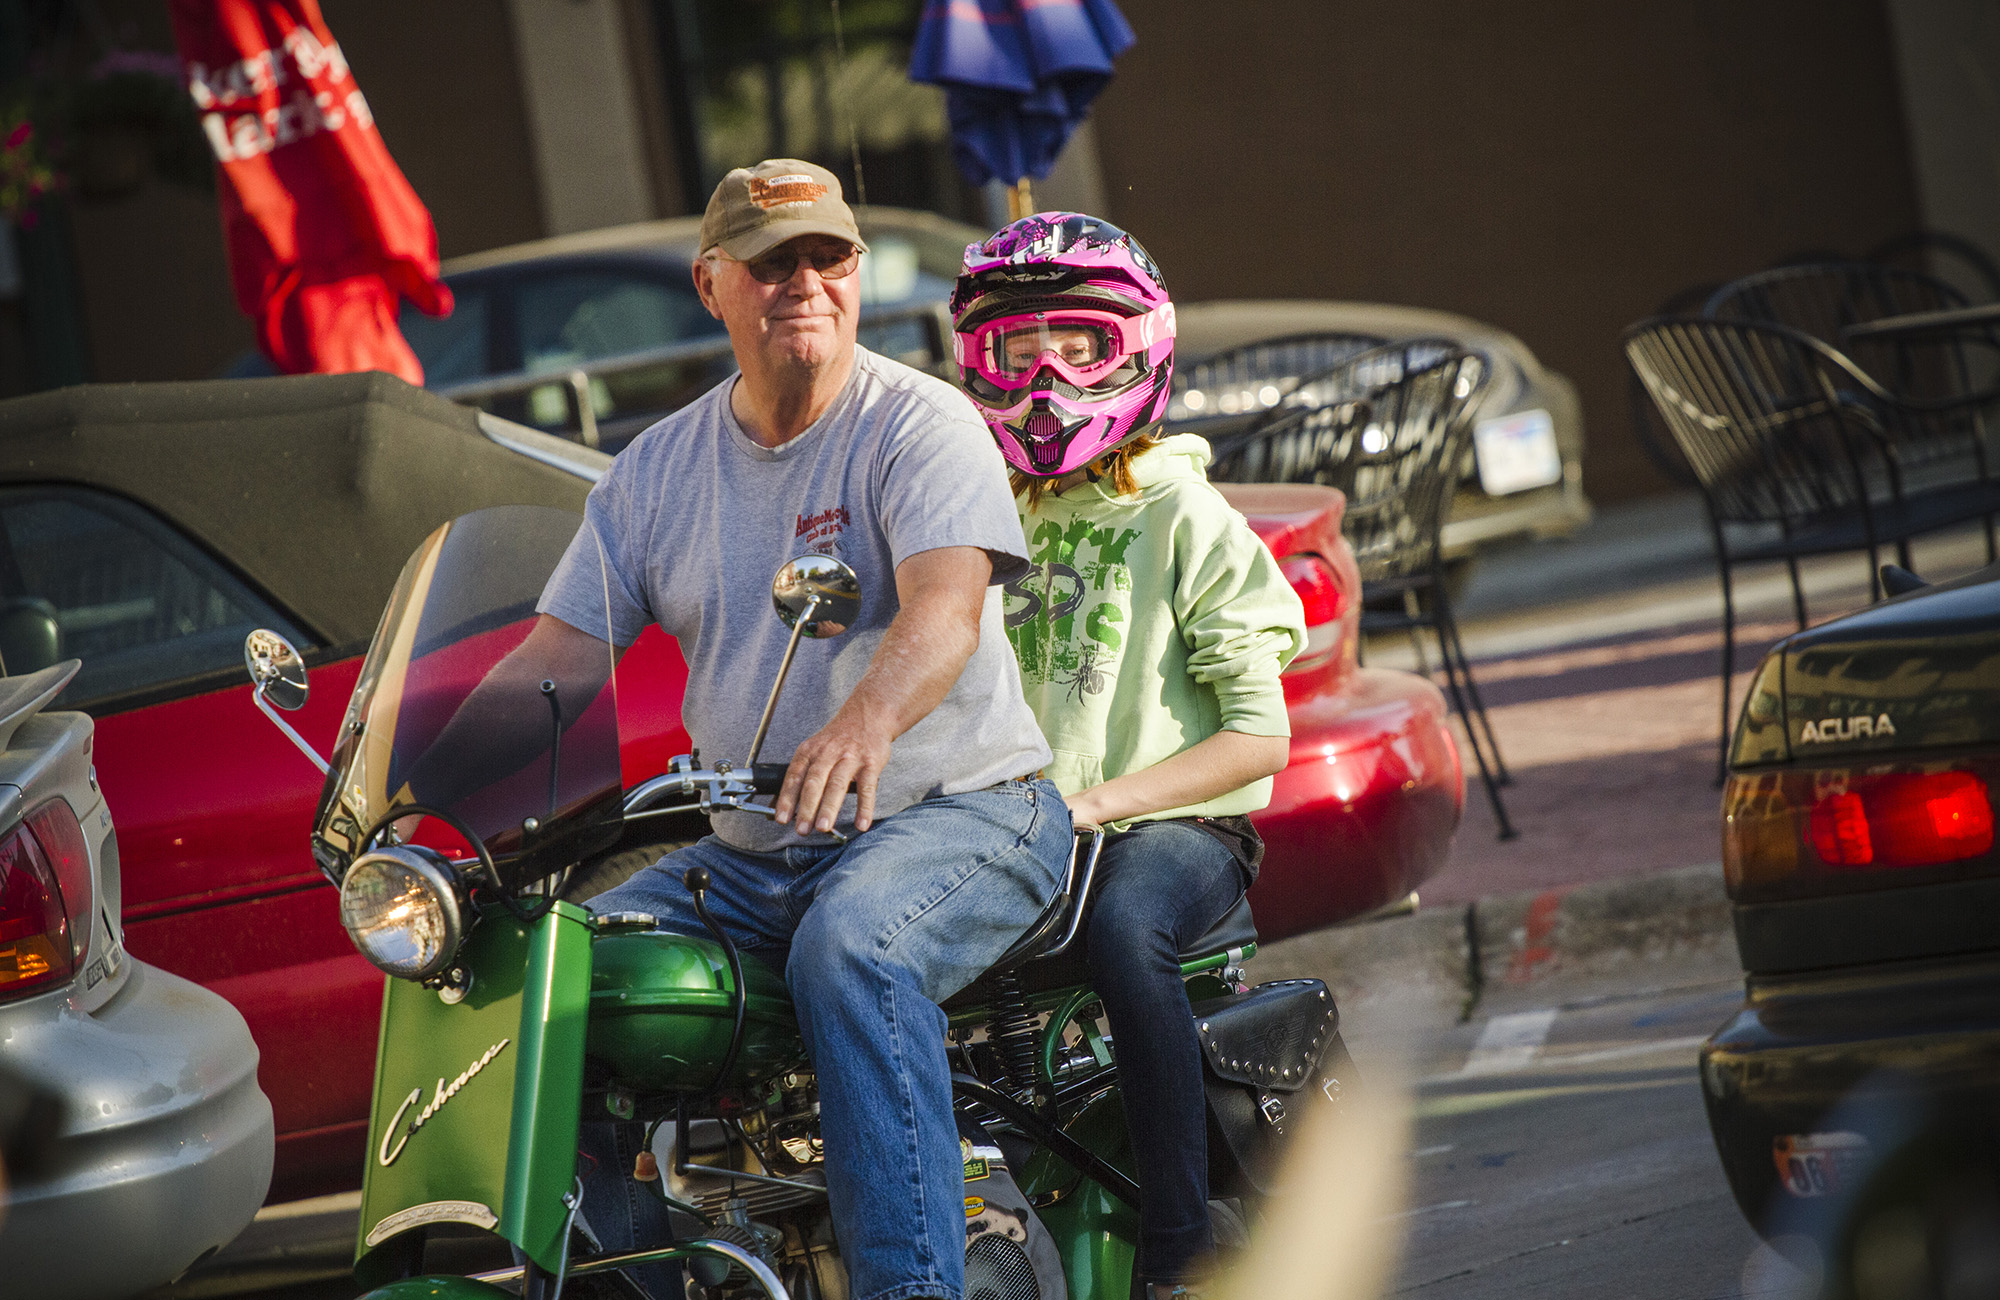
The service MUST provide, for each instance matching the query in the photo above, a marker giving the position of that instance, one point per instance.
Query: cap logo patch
(785, 191)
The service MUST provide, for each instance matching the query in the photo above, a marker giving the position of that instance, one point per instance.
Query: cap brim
(762, 240)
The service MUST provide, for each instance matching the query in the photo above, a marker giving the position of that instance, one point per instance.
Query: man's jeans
(872, 935)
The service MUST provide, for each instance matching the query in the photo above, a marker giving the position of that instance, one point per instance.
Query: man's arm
(941, 594)
(503, 723)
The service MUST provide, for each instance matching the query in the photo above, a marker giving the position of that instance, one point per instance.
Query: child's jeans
(1162, 884)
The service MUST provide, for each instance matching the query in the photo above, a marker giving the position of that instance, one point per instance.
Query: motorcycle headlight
(400, 908)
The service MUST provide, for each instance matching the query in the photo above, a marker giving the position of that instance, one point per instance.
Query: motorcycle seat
(1040, 970)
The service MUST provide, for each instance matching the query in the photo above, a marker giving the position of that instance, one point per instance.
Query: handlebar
(769, 778)
(713, 789)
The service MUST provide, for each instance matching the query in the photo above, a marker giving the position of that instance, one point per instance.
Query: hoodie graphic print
(1148, 622)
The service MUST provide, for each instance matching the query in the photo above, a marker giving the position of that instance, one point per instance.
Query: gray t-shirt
(696, 517)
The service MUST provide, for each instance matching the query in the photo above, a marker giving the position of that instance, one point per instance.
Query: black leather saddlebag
(1269, 1056)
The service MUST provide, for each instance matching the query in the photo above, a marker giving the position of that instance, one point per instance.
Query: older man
(956, 843)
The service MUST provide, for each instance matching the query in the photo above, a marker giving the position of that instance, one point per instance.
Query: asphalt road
(1562, 1151)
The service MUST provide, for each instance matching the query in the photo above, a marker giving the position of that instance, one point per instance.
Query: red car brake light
(1903, 819)
(35, 948)
(1319, 591)
(1784, 829)
(55, 828)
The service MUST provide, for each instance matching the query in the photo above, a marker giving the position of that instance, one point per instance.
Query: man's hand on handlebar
(939, 594)
(846, 750)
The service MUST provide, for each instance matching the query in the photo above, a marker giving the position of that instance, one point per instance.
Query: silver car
(163, 1152)
(1233, 359)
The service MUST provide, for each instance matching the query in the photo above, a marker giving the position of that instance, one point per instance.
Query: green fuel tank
(662, 1007)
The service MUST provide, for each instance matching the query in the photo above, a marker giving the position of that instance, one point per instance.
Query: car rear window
(572, 317)
(454, 348)
(85, 575)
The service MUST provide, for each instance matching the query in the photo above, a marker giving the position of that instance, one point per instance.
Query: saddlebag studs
(1262, 1048)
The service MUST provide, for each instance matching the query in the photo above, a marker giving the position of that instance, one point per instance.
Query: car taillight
(37, 950)
(1782, 830)
(1319, 591)
(1903, 819)
(56, 829)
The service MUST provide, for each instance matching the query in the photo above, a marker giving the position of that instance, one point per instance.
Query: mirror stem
(286, 727)
(784, 668)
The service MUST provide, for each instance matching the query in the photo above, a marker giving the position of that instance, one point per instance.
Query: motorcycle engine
(1009, 1255)
(785, 1223)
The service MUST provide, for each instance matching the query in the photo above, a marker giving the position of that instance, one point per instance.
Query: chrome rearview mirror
(280, 675)
(817, 596)
(276, 668)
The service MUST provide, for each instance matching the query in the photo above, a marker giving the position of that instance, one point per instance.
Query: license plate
(1817, 1164)
(1517, 452)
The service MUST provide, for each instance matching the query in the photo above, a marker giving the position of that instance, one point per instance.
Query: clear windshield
(472, 705)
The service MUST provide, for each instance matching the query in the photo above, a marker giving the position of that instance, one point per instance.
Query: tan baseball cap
(757, 208)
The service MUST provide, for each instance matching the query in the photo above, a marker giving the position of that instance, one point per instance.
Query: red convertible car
(146, 529)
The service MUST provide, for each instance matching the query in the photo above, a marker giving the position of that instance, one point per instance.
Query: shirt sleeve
(1240, 619)
(596, 588)
(943, 483)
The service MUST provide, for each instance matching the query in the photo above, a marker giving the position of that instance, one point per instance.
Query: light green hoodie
(1150, 622)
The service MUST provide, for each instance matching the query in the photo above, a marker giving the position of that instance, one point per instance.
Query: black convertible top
(315, 488)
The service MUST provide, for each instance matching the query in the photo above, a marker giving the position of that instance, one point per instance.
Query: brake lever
(718, 788)
(772, 813)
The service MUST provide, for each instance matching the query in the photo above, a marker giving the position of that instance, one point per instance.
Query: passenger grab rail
(1081, 898)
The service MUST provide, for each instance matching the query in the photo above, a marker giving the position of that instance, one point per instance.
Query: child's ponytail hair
(1114, 466)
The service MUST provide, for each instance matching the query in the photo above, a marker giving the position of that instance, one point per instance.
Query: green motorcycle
(468, 799)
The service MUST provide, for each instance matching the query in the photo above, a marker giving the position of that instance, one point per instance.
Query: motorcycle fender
(1096, 1233)
(438, 1288)
(476, 1102)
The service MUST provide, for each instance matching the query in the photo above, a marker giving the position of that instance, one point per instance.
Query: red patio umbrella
(325, 235)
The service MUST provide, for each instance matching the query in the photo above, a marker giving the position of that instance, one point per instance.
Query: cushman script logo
(387, 1154)
(1863, 727)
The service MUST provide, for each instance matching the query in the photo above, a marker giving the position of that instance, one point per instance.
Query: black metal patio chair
(1939, 384)
(1654, 440)
(1798, 452)
(1389, 427)
(1223, 393)
(1828, 299)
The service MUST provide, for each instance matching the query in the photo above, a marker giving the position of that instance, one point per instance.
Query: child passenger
(1150, 635)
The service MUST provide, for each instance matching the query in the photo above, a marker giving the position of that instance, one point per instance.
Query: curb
(1456, 955)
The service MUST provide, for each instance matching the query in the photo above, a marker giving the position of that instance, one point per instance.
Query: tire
(614, 869)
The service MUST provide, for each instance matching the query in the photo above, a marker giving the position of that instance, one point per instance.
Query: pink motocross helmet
(1065, 339)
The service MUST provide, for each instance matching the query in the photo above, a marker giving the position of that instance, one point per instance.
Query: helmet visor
(1083, 346)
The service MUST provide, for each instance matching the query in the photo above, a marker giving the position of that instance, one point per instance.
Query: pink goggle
(1082, 345)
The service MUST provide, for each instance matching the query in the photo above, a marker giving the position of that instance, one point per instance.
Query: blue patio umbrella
(1018, 75)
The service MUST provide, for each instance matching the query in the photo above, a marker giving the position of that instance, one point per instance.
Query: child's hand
(1084, 808)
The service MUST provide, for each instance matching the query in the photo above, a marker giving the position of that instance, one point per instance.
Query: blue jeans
(872, 935)
(1161, 885)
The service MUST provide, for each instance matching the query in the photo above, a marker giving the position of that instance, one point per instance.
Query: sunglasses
(831, 262)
